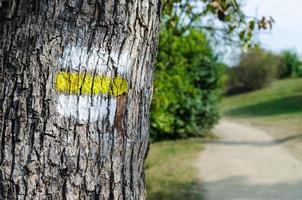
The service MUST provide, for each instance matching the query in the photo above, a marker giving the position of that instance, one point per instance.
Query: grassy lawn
(277, 108)
(170, 170)
(279, 105)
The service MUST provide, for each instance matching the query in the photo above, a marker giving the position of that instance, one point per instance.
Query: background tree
(256, 69)
(291, 65)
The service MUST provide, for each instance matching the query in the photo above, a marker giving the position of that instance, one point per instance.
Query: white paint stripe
(78, 58)
(87, 108)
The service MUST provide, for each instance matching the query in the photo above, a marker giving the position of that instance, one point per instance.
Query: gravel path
(248, 164)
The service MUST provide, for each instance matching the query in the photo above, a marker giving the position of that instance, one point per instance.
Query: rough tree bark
(76, 84)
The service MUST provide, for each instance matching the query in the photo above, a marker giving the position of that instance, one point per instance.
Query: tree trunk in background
(76, 85)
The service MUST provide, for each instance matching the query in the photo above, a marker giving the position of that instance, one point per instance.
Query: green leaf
(252, 25)
(228, 18)
(242, 34)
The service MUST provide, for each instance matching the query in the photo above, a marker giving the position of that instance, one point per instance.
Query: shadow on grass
(178, 191)
(259, 143)
(275, 107)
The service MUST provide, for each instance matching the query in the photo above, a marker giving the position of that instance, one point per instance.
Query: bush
(186, 95)
(256, 70)
(291, 65)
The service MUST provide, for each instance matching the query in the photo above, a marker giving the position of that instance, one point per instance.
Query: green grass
(279, 105)
(170, 170)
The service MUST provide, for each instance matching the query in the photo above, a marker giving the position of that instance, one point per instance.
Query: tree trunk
(76, 85)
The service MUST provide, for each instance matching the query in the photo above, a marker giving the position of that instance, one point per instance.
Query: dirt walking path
(248, 164)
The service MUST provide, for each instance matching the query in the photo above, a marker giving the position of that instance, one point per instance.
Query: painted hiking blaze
(88, 86)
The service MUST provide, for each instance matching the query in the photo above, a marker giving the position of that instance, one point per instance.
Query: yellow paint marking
(86, 84)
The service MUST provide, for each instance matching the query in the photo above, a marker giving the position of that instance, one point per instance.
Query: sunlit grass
(171, 170)
(279, 105)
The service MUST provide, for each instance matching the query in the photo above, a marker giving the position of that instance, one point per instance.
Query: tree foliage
(235, 26)
(291, 65)
(188, 79)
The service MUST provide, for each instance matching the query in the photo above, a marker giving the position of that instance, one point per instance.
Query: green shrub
(186, 95)
(256, 70)
(291, 65)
